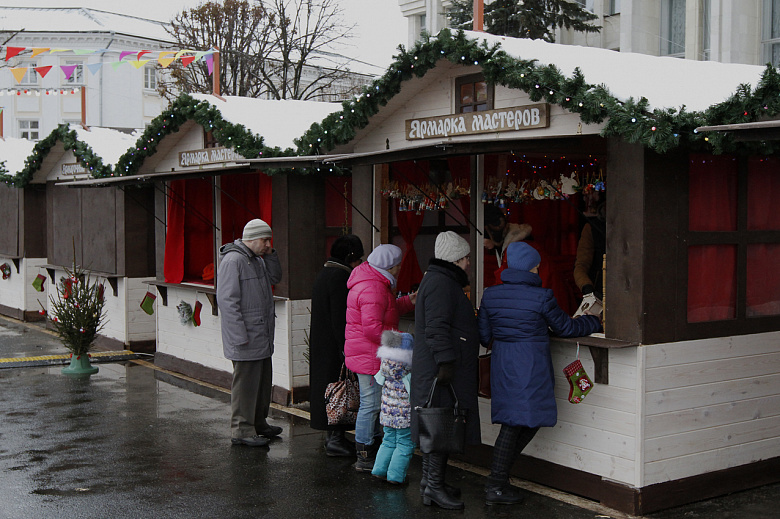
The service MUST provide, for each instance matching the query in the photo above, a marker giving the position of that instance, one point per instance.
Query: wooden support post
(215, 74)
(84, 107)
(2, 118)
(479, 8)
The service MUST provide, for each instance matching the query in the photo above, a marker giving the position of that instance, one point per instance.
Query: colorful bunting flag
(58, 50)
(186, 60)
(10, 52)
(210, 63)
(117, 64)
(68, 70)
(43, 70)
(163, 60)
(138, 58)
(19, 73)
(139, 64)
(39, 50)
(94, 67)
(125, 53)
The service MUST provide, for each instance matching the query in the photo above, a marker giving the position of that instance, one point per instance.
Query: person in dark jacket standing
(326, 338)
(516, 316)
(446, 349)
(247, 269)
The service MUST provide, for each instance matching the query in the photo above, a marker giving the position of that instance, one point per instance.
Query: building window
(587, 5)
(31, 76)
(150, 77)
(77, 77)
(473, 94)
(29, 129)
(673, 28)
(614, 7)
(772, 32)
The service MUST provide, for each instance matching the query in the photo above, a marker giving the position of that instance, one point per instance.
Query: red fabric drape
(763, 277)
(409, 223)
(712, 276)
(244, 197)
(173, 264)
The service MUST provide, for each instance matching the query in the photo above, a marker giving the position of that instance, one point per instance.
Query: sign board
(473, 123)
(72, 170)
(208, 156)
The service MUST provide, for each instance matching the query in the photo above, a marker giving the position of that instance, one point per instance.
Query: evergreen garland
(659, 129)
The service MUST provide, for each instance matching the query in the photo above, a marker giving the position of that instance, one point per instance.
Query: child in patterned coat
(392, 460)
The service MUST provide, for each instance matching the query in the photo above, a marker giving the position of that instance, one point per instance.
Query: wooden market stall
(687, 373)
(192, 158)
(22, 243)
(108, 233)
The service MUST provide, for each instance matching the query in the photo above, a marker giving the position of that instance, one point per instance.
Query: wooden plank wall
(10, 208)
(599, 435)
(711, 404)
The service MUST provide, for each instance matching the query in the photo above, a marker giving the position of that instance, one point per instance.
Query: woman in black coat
(326, 338)
(446, 349)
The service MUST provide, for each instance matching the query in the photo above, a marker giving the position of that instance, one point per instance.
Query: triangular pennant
(141, 53)
(68, 70)
(199, 55)
(38, 50)
(210, 63)
(117, 64)
(43, 70)
(10, 52)
(179, 54)
(79, 52)
(19, 73)
(139, 64)
(59, 50)
(125, 53)
(186, 60)
(164, 62)
(94, 67)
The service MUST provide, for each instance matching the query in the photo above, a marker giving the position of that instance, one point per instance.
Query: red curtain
(409, 223)
(244, 197)
(712, 276)
(189, 241)
(763, 277)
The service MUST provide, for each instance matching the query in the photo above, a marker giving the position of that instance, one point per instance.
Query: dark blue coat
(517, 315)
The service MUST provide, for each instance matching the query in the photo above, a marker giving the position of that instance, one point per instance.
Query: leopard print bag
(342, 399)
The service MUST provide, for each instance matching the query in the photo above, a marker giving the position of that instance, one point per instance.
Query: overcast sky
(380, 27)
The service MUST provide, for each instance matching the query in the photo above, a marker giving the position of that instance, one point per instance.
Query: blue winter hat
(396, 339)
(521, 256)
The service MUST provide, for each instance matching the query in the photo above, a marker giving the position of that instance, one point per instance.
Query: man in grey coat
(247, 269)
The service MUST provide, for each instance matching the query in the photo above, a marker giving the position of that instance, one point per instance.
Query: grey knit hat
(255, 230)
(451, 247)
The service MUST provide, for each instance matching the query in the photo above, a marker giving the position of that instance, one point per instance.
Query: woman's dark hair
(347, 248)
(493, 215)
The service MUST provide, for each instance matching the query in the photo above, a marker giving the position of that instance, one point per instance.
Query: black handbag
(441, 429)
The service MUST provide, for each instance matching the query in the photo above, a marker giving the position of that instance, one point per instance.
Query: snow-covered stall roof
(79, 19)
(278, 122)
(106, 143)
(14, 152)
(664, 81)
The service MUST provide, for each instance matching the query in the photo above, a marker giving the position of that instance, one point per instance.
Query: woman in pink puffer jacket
(371, 309)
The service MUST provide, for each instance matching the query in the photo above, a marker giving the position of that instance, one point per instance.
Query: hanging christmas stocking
(147, 303)
(38, 282)
(5, 268)
(579, 382)
(196, 313)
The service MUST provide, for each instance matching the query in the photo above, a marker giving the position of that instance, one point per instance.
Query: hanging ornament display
(185, 313)
(5, 268)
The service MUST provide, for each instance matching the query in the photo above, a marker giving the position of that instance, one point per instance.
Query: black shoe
(270, 431)
(365, 458)
(505, 495)
(337, 445)
(252, 441)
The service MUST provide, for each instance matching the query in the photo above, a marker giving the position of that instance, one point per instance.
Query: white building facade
(118, 92)
(729, 31)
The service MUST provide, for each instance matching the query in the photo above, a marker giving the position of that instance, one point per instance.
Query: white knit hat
(256, 229)
(385, 256)
(451, 247)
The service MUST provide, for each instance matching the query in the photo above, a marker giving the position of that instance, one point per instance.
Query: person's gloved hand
(446, 373)
(587, 289)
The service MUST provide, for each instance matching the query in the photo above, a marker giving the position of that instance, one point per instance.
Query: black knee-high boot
(435, 491)
(336, 444)
(451, 490)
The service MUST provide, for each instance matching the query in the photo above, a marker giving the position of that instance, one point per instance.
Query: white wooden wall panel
(581, 458)
(12, 289)
(33, 299)
(710, 405)
(140, 325)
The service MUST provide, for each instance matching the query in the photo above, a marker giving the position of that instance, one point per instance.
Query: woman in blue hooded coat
(516, 317)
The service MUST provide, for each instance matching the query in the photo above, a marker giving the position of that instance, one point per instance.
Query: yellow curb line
(67, 356)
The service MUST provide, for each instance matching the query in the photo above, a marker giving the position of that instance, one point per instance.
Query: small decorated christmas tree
(77, 316)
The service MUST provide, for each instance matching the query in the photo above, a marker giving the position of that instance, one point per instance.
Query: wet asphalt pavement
(133, 441)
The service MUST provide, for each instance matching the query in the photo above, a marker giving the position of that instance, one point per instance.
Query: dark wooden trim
(627, 499)
(103, 343)
(15, 313)
(300, 394)
(194, 370)
(474, 78)
(31, 316)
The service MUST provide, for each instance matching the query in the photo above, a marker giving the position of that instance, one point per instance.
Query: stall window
(338, 209)
(189, 240)
(244, 197)
(209, 141)
(473, 94)
(734, 237)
